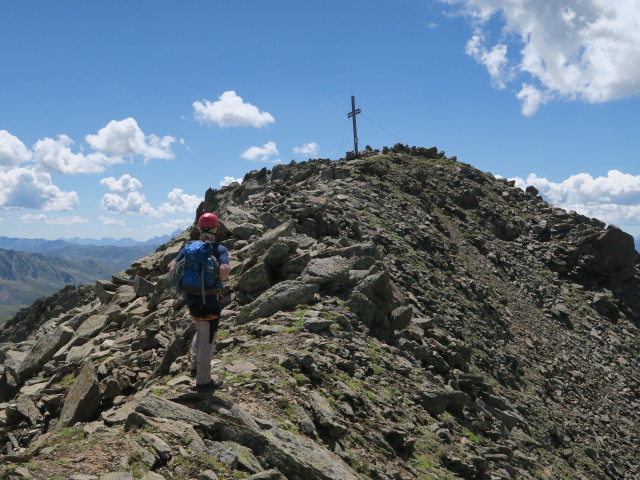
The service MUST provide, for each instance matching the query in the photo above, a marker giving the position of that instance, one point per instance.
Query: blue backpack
(197, 271)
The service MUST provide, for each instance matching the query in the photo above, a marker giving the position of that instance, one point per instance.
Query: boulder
(43, 350)
(324, 271)
(616, 249)
(255, 279)
(83, 398)
(286, 294)
(142, 286)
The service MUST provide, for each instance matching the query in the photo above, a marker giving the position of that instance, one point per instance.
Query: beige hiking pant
(201, 351)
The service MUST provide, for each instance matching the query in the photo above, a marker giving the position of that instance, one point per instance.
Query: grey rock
(279, 251)
(374, 298)
(256, 279)
(317, 324)
(288, 293)
(438, 401)
(92, 326)
(616, 249)
(162, 449)
(142, 287)
(295, 266)
(246, 460)
(117, 476)
(207, 475)
(105, 290)
(82, 400)
(272, 474)
(224, 455)
(324, 271)
(155, 406)
(77, 354)
(246, 230)
(43, 350)
(124, 295)
(400, 318)
(27, 408)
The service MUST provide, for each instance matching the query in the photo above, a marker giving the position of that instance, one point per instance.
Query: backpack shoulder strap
(214, 250)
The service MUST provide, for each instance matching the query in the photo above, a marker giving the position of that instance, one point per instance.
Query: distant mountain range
(32, 268)
(41, 245)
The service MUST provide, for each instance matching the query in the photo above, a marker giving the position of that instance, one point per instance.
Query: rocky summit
(396, 316)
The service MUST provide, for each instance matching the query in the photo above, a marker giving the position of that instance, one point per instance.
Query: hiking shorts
(209, 310)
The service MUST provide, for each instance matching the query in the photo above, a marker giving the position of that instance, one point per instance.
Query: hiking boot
(193, 372)
(213, 384)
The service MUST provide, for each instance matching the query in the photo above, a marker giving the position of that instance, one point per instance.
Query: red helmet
(208, 220)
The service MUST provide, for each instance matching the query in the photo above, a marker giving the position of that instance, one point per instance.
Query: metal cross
(353, 114)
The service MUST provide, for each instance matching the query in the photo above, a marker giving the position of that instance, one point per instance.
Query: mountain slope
(26, 276)
(400, 316)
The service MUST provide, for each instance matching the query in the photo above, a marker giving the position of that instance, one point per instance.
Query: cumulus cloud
(124, 138)
(228, 181)
(613, 199)
(134, 203)
(230, 111)
(56, 156)
(126, 183)
(310, 149)
(42, 218)
(585, 50)
(180, 202)
(33, 188)
(261, 154)
(12, 151)
(111, 221)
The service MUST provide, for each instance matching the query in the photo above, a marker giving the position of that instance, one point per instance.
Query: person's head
(208, 224)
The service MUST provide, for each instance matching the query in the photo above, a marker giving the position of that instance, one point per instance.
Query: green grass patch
(68, 379)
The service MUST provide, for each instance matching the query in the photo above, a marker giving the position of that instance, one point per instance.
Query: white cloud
(56, 156)
(613, 199)
(12, 151)
(42, 218)
(173, 224)
(228, 181)
(124, 138)
(230, 111)
(123, 184)
(261, 154)
(494, 59)
(180, 202)
(310, 149)
(1, 219)
(111, 221)
(32, 188)
(585, 50)
(134, 203)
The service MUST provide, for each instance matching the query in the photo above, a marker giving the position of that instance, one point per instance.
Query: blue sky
(116, 117)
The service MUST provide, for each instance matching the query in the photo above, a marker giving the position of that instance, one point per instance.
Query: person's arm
(223, 258)
(172, 266)
(224, 271)
(175, 261)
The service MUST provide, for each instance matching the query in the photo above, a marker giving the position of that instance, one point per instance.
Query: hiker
(205, 307)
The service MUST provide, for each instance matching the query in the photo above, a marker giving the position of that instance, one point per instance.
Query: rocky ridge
(398, 316)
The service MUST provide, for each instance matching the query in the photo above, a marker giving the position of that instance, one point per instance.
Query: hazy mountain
(41, 245)
(27, 276)
(122, 242)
